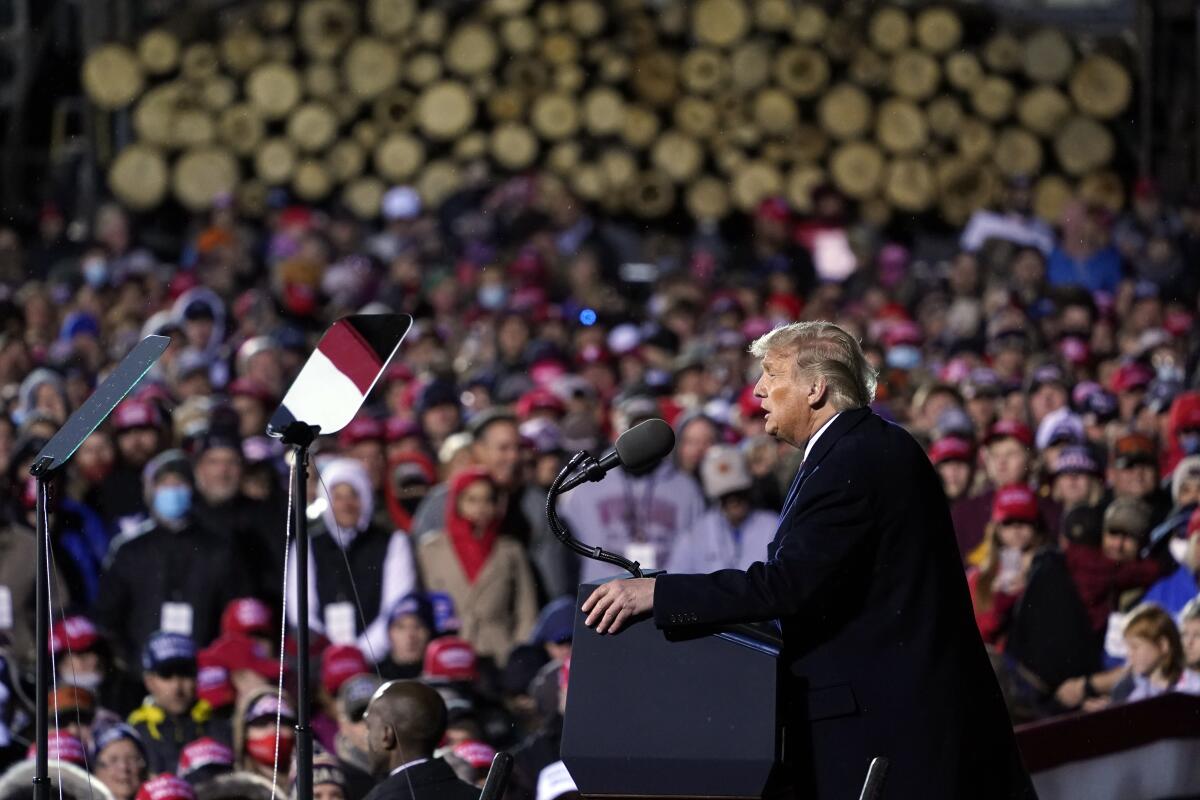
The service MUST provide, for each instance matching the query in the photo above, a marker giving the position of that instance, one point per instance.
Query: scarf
(472, 550)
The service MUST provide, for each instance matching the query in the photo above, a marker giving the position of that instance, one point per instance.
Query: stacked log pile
(645, 108)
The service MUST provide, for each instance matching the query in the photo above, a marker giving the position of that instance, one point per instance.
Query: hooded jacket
(380, 561)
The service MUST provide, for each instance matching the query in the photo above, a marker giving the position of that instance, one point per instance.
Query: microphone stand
(300, 436)
(595, 472)
(42, 472)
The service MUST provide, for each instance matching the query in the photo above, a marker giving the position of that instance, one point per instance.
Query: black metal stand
(301, 437)
(41, 779)
(873, 787)
(599, 554)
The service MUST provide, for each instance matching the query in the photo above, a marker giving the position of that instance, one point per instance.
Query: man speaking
(866, 583)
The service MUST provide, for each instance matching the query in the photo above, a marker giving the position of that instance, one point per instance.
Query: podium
(652, 716)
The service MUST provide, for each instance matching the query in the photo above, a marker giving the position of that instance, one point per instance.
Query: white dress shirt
(813, 439)
(406, 765)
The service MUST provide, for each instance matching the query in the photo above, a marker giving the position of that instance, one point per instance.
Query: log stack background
(705, 107)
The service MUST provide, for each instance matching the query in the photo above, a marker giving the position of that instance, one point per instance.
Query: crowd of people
(1050, 370)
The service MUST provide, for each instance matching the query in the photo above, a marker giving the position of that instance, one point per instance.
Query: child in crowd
(1155, 656)
(1189, 635)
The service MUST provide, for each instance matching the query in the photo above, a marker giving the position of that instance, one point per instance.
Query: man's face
(137, 445)
(354, 730)
(1048, 397)
(785, 399)
(694, 443)
(956, 475)
(328, 791)
(174, 692)
(408, 637)
(499, 452)
(1072, 488)
(440, 421)
(120, 768)
(219, 474)
(1007, 461)
(1136, 480)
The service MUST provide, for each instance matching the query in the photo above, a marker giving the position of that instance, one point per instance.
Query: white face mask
(86, 680)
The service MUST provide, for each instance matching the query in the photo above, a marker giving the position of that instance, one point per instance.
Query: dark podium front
(648, 716)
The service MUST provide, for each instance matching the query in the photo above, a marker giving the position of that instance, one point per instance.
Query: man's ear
(818, 391)
(387, 737)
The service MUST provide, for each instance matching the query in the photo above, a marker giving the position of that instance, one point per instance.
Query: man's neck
(819, 419)
(409, 757)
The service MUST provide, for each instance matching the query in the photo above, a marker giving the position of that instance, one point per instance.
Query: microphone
(637, 449)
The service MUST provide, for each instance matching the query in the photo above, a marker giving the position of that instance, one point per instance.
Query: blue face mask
(904, 357)
(95, 272)
(172, 503)
(492, 296)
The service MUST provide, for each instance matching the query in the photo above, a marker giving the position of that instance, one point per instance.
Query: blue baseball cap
(417, 604)
(168, 651)
(105, 735)
(556, 623)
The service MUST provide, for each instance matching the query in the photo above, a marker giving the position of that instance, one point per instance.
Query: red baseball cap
(339, 663)
(213, 685)
(477, 754)
(136, 413)
(539, 399)
(166, 787)
(237, 651)
(204, 752)
(362, 429)
(1130, 377)
(1015, 502)
(450, 659)
(1010, 429)
(749, 405)
(248, 616)
(248, 387)
(61, 746)
(950, 448)
(397, 428)
(75, 634)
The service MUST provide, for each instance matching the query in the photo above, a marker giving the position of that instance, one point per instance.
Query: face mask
(85, 680)
(904, 356)
(492, 296)
(262, 748)
(95, 272)
(1189, 442)
(172, 503)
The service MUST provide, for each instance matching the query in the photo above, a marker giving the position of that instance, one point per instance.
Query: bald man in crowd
(405, 723)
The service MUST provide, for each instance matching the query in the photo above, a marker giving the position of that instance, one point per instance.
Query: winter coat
(499, 609)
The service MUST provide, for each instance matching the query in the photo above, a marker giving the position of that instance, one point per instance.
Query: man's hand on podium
(611, 604)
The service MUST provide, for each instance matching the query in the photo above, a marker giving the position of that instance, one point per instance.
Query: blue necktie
(793, 490)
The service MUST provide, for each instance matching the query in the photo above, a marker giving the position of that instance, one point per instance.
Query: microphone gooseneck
(638, 449)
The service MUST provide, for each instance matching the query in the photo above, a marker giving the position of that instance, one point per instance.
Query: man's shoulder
(432, 780)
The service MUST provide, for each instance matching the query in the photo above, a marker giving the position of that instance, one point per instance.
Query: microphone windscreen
(645, 444)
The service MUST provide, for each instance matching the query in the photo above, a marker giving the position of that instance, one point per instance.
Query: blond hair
(825, 350)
